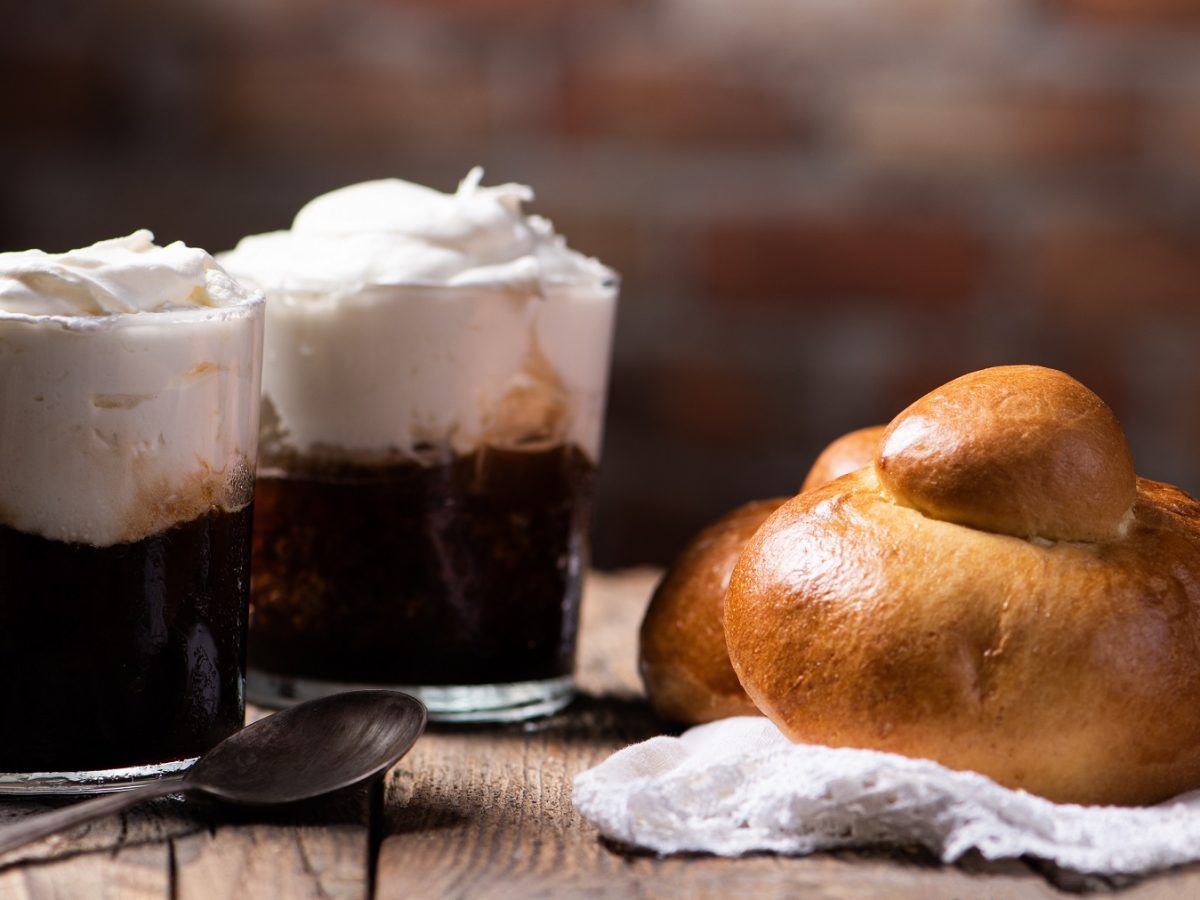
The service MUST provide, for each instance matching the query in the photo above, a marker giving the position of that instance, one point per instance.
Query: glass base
(512, 702)
(98, 781)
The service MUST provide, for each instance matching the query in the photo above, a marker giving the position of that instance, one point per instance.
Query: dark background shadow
(821, 210)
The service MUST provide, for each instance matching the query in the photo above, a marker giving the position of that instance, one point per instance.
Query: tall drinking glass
(129, 402)
(434, 389)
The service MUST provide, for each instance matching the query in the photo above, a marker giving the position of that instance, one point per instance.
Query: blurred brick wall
(821, 209)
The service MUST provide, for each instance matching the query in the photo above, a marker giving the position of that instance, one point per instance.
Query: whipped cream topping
(391, 232)
(123, 275)
(129, 387)
(401, 319)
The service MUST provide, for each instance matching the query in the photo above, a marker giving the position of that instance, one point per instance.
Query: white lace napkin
(739, 785)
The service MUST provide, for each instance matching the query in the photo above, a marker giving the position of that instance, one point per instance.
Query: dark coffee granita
(465, 572)
(122, 655)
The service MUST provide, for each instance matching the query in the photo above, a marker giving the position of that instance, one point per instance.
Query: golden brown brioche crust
(1020, 450)
(1068, 668)
(681, 650)
(849, 452)
(681, 645)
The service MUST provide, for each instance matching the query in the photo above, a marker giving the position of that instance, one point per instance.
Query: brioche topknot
(1019, 450)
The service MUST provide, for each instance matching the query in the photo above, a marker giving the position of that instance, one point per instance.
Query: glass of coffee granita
(434, 384)
(129, 404)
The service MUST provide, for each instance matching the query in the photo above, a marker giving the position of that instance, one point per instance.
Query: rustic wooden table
(486, 812)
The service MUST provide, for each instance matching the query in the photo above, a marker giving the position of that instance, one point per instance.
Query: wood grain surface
(486, 812)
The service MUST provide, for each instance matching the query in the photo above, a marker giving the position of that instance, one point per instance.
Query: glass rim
(606, 290)
(83, 324)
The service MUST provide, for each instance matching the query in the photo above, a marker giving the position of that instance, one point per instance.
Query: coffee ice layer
(122, 655)
(467, 572)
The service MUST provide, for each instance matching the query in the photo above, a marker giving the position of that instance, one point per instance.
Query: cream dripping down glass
(129, 403)
(434, 385)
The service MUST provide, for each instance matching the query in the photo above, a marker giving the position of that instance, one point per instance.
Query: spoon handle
(45, 824)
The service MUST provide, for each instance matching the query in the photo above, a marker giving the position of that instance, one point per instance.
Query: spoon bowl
(305, 751)
(309, 750)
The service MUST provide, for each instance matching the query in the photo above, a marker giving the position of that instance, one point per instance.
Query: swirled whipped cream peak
(129, 383)
(401, 319)
(122, 275)
(393, 232)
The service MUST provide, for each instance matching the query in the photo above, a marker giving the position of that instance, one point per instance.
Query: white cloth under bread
(738, 786)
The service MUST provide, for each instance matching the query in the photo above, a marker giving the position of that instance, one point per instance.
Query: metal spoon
(299, 753)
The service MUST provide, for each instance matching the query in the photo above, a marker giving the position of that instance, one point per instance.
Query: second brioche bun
(849, 452)
(998, 592)
(681, 649)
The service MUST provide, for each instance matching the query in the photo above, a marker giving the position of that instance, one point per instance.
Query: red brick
(509, 13)
(311, 103)
(1135, 13)
(822, 27)
(59, 97)
(711, 404)
(668, 102)
(1121, 269)
(1177, 135)
(940, 126)
(707, 403)
(617, 240)
(827, 260)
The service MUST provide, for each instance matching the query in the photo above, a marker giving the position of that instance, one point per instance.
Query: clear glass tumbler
(127, 454)
(428, 463)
